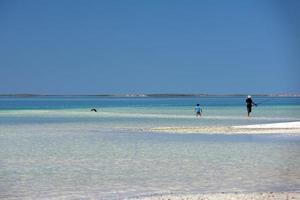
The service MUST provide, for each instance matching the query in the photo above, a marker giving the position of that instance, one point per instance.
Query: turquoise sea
(56, 148)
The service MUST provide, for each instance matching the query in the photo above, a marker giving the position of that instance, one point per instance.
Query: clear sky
(149, 46)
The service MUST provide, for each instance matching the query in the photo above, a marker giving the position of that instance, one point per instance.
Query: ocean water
(55, 148)
(146, 112)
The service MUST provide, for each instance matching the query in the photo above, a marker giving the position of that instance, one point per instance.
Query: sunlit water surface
(56, 148)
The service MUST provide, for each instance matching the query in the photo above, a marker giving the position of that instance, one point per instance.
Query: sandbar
(270, 128)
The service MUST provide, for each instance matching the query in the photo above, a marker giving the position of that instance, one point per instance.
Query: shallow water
(68, 152)
(146, 112)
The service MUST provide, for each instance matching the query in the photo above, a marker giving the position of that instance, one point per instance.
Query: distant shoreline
(156, 95)
(226, 196)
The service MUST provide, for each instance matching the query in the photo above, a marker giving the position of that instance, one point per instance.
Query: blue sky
(134, 46)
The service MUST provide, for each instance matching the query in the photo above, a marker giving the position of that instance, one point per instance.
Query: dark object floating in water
(94, 110)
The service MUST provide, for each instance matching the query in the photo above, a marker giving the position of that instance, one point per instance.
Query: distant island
(154, 95)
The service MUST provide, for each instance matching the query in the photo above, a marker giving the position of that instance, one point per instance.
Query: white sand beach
(270, 128)
(284, 128)
(283, 125)
(230, 196)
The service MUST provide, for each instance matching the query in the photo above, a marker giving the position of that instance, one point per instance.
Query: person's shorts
(198, 113)
(249, 109)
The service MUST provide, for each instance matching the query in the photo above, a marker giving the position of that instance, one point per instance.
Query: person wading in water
(249, 104)
(198, 110)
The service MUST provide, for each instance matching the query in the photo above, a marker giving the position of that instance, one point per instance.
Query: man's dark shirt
(249, 102)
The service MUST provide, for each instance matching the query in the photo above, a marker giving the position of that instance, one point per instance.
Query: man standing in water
(198, 110)
(249, 104)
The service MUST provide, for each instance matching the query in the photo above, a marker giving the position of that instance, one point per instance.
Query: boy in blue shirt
(198, 110)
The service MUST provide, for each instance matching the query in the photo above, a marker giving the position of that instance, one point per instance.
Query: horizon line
(152, 94)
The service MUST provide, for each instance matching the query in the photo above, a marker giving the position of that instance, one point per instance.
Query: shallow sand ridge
(281, 128)
(283, 125)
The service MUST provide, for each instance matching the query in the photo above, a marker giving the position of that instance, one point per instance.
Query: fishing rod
(264, 101)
